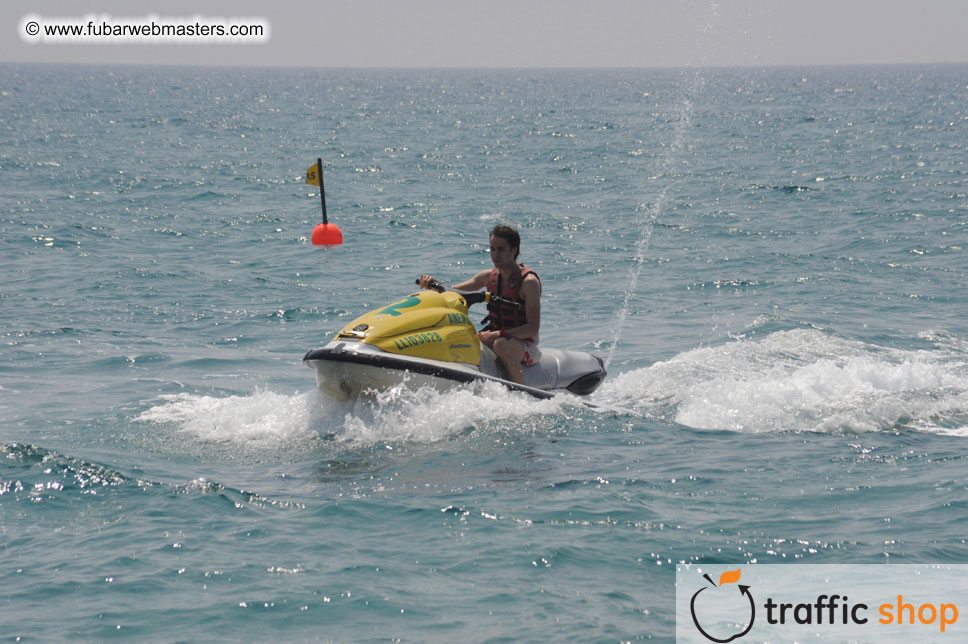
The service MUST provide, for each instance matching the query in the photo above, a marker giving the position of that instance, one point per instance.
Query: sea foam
(399, 414)
(801, 380)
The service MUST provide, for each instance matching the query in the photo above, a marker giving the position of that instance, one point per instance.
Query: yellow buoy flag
(312, 175)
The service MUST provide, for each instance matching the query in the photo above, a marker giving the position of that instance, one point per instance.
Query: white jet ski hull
(345, 369)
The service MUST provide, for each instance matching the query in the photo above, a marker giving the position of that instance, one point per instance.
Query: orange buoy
(327, 235)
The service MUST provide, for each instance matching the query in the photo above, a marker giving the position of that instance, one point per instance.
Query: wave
(804, 380)
(36, 474)
(787, 380)
(59, 472)
(424, 415)
(258, 418)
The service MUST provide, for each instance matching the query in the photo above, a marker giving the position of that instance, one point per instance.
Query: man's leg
(511, 353)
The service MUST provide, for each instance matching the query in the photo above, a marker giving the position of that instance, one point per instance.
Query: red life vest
(506, 316)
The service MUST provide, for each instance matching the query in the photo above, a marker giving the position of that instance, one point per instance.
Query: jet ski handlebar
(477, 297)
(434, 284)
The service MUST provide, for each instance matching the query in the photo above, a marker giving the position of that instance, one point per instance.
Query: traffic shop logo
(897, 603)
(712, 600)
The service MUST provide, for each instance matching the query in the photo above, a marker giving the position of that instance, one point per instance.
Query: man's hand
(488, 337)
(425, 281)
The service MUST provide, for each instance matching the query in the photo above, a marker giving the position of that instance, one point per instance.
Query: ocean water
(771, 262)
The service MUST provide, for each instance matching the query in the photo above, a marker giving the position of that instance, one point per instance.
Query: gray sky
(524, 33)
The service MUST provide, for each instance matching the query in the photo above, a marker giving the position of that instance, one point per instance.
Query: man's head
(505, 240)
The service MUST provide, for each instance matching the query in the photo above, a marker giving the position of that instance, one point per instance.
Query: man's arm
(475, 283)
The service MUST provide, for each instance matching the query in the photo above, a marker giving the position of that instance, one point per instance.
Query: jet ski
(428, 339)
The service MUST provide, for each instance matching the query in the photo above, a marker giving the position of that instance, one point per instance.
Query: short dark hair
(510, 235)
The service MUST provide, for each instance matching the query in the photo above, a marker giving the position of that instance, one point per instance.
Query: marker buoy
(325, 234)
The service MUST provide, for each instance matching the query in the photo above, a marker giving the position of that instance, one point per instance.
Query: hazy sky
(526, 33)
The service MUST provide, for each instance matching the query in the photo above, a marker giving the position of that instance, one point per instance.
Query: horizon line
(485, 67)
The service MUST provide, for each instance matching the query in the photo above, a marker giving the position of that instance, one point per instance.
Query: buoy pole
(322, 188)
(325, 234)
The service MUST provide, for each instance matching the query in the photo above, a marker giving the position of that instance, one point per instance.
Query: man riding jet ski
(512, 328)
(428, 338)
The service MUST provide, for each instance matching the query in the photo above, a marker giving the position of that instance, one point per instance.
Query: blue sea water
(771, 262)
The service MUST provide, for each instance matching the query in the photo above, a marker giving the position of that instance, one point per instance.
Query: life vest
(507, 316)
